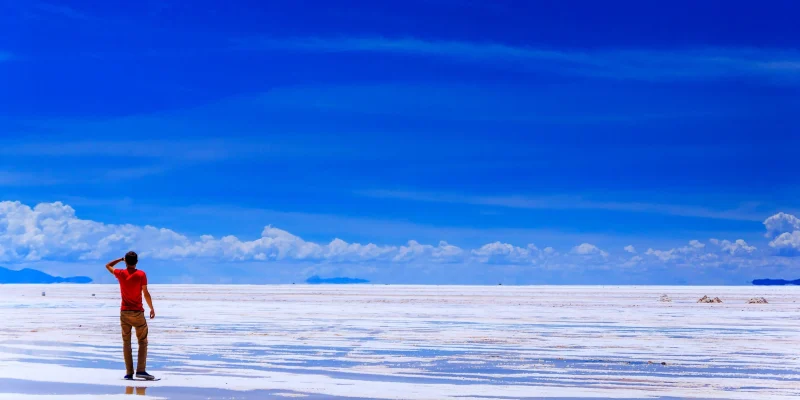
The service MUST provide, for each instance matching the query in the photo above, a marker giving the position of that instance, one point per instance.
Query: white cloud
(694, 250)
(586, 249)
(414, 251)
(53, 232)
(696, 244)
(696, 253)
(737, 248)
(341, 251)
(663, 255)
(784, 230)
(504, 253)
(633, 261)
(781, 223)
(787, 243)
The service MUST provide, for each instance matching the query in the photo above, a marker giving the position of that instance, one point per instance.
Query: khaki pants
(128, 320)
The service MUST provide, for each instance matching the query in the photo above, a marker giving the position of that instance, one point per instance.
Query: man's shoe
(129, 377)
(145, 375)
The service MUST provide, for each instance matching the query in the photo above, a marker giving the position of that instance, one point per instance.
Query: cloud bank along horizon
(54, 233)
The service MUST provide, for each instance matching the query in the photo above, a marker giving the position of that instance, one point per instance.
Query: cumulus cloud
(692, 251)
(414, 251)
(736, 248)
(696, 253)
(781, 223)
(696, 244)
(787, 244)
(784, 230)
(504, 253)
(633, 261)
(53, 232)
(587, 249)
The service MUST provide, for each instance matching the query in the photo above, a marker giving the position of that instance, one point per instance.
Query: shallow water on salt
(398, 342)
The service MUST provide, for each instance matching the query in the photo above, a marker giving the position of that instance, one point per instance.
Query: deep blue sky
(555, 123)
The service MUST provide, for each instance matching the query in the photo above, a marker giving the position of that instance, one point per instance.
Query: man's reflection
(139, 391)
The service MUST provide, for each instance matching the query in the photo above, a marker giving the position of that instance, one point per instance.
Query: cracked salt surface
(406, 342)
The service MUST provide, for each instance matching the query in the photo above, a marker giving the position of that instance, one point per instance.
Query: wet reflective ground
(399, 342)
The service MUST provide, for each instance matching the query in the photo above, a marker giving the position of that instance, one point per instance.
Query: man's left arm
(149, 301)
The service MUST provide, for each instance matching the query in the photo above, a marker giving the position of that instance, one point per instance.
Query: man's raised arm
(110, 265)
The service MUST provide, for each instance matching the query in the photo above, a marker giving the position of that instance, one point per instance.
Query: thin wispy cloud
(639, 64)
(460, 101)
(87, 176)
(18, 179)
(196, 150)
(60, 10)
(568, 202)
(11, 178)
(149, 157)
(137, 172)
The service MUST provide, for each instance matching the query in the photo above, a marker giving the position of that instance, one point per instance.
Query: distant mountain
(775, 282)
(33, 276)
(316, 280)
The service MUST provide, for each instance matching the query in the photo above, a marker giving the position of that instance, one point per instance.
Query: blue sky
(556, 133)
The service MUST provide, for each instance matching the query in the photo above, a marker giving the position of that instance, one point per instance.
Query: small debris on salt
(665, 299)
(757, 300)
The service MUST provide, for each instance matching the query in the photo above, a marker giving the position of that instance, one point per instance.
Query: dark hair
(131, 258)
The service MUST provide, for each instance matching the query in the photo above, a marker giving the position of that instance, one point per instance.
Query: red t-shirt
(130, 285)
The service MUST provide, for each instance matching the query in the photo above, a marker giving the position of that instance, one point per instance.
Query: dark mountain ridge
(775, 282)
(316, 280)
(28, 275)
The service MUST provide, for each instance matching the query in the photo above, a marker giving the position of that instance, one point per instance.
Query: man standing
(132, 283)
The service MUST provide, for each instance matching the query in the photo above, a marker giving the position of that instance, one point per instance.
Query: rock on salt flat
(706, 299)
(410, 342)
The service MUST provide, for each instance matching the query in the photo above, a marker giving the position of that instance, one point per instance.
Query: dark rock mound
(706, 299)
